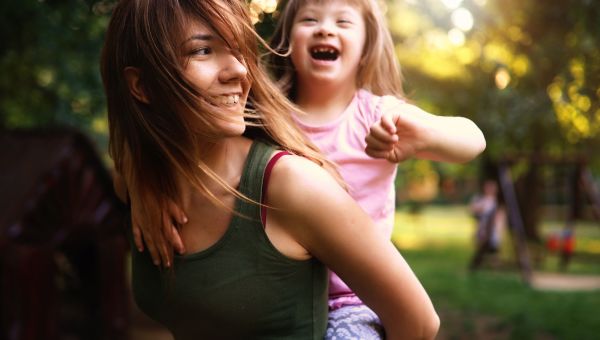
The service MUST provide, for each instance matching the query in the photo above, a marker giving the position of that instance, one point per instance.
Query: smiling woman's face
(219, 72)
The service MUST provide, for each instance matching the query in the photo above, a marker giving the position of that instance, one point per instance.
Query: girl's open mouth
(326, 53)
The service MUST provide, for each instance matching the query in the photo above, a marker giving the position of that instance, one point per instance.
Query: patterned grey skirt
(356, 322)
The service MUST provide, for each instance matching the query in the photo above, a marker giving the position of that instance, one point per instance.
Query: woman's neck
(225, 159)
(323, 103)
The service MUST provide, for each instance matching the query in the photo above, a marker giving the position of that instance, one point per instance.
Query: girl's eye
(344, 21)
(308, 19)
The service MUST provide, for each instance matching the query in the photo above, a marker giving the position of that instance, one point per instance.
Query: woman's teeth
(228, 100)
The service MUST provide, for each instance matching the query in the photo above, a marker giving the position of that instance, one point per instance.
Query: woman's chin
(233, 129)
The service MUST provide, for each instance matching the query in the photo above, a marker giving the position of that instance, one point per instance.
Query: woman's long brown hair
(153, 144)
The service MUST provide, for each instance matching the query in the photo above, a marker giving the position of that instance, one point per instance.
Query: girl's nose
(325, 29)
(233, 69)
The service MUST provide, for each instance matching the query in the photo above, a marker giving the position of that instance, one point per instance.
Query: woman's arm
(326, 221)
(405, 131)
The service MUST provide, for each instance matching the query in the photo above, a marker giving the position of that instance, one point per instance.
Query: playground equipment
(580, 187)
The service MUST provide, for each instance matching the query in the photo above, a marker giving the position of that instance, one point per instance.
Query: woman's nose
(233, 69)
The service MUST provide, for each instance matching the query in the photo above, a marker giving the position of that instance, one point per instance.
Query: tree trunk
(530, 202)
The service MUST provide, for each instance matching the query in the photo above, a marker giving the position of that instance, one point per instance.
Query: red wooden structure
(62, 245)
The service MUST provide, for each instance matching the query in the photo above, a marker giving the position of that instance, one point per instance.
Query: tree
(528, 72)
(49, 63)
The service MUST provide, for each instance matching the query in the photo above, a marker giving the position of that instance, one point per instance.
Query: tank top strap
(265, 186)
(251, 182)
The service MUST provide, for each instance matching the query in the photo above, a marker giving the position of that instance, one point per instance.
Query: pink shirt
(370, 181)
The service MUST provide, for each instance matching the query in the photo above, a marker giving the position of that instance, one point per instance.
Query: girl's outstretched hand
(406, 131)
(158, 249)
(399, 134)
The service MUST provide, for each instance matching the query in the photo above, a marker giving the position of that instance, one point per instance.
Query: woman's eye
(202, 51)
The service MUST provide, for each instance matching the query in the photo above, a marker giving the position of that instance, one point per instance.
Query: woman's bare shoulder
(295, 179)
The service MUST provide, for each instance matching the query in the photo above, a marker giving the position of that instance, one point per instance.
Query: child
(341, 72)
(490, 215)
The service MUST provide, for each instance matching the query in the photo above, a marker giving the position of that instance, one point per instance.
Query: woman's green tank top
(239, 288)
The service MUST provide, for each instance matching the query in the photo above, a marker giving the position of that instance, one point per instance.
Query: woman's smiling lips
(229, 99)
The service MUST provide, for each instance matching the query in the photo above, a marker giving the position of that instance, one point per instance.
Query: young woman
(263, 224)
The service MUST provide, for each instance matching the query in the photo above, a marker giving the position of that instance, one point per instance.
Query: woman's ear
(132, 77)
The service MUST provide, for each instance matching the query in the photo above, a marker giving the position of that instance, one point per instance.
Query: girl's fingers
(176, 240)
(383, 133)
(177, 213)
(165, 253)
(164, 248)
(152, 249)
(387, 123)
(137, 237)
(377, 145)
(382, 154)
(379, 139)
(177, 217)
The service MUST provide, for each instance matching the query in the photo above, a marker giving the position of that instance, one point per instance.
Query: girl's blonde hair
(379, 71)
(153, 144)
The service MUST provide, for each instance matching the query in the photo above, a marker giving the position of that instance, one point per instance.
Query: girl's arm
(405, 131)
(311, 207)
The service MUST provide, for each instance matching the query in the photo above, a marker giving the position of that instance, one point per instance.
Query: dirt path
(565, 282)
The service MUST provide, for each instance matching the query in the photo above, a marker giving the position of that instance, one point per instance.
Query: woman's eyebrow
(201, 36)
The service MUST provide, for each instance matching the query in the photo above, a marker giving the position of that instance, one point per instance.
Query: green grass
(495, 304)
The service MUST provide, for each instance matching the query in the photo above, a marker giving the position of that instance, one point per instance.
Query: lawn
(496, 303)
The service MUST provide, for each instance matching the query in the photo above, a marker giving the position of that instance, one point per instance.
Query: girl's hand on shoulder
(139, 224)
(158, 249)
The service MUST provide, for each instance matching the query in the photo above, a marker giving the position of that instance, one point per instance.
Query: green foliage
(535, 44)
(49, 63)
(49, 51)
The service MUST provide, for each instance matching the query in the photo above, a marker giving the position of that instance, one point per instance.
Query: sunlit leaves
(260, 7)
(500, 53)
(578, 118)
(531, 70)
(462, 19)
(502, 78)
(432, 38)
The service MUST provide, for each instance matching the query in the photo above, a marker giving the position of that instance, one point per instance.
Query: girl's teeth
(324, 49)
